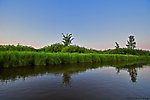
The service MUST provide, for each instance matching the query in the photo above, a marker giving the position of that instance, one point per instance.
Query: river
(76, 82)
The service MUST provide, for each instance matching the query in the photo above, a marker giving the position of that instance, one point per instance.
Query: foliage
(18, 58)
(74, 48)
(16, 48)
(117, 45)
(57, 47)
(77, 49)
(127, 51)
(67, 39)
(131, 42)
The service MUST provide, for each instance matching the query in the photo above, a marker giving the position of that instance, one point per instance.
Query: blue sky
(93, 23)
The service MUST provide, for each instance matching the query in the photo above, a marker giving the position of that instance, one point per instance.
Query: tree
(117, 45)
(67, 39)
(131, 42)
(18, 44)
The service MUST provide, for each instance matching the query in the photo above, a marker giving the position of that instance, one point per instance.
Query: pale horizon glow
(96, 24)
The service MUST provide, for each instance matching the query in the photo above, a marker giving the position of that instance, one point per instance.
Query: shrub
(16, 48)
(57, 47)
(127, 51)
(74, 48)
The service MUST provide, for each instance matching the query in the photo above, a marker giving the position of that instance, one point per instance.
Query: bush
(74, 48)
(127, 51)
(16, 48)
(53, 48)
(77, 49)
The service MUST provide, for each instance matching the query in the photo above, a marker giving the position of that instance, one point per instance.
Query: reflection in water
(132, 69)
(133, 74)
(12, 74)
(66, 79)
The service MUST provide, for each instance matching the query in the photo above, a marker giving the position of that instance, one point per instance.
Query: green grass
(18, 58)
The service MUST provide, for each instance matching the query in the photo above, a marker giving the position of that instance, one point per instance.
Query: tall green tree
(117, 45)
(67, 39)
(131, 42)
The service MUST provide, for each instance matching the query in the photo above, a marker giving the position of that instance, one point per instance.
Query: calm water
(77, 82)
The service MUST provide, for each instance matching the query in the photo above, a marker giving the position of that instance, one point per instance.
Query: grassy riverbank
(18, 58)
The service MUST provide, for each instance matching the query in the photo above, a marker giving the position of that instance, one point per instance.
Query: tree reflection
(13, 74)
(66, 79)
(132, 69)
(133, 74)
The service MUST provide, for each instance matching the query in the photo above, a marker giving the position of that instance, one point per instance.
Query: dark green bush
(77, 49)
(16, 48)
(127, 51)
(53, 48)
(74, 48)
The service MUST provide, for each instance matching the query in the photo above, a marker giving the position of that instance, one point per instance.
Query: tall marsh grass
(16, 58)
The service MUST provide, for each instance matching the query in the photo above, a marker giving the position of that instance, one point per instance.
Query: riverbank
(26, 58)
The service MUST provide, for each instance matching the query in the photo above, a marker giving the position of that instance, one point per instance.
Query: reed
(26, 58)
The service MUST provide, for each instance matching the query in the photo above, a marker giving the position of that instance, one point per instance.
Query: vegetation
(77, 49)
(67, 39)
(15, 58)
(73, 49)
(131, 42)
(12, 56)
(53, 48)
(16, 48)
(127, 51)
(67, 48)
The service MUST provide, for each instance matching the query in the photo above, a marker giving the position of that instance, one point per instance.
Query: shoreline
(25, 58)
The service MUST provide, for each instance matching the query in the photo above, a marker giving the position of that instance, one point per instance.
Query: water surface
(76, 82)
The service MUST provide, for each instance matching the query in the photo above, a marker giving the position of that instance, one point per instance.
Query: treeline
(67, 48)
(16, 48)
(73, 49)
(58, 47)
(127, 51)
